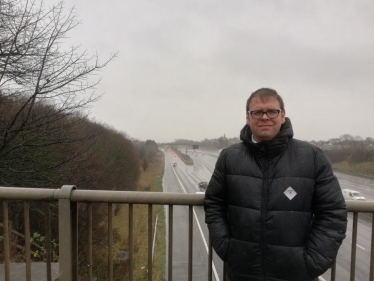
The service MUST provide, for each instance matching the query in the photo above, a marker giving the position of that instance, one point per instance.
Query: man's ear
(247, 118)
(283, 114)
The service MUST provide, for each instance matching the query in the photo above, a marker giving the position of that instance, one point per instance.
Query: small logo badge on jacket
(290, 193)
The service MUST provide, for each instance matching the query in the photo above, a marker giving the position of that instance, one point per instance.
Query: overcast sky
(185, 68)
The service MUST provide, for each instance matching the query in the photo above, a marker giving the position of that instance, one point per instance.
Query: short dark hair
(263, 94)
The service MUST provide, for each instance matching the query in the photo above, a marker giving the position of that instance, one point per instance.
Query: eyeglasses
(271, 114)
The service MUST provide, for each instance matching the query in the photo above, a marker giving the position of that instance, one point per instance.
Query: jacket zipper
(263, 213)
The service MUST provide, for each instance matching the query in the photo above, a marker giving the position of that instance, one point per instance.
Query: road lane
(182, 179)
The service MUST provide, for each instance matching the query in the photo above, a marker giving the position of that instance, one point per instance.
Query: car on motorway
(174, 164)
(202, 185)
(353, 195)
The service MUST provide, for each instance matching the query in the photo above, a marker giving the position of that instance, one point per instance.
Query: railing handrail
(133, 197)
(106, 196)
(360, 206)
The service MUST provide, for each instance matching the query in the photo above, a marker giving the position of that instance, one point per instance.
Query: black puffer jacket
(275, 211)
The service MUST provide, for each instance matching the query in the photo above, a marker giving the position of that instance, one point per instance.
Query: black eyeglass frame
(264, 112)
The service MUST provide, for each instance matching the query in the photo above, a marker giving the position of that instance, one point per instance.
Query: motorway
(184, 178)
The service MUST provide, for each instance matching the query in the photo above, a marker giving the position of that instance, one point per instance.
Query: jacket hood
(273, 146)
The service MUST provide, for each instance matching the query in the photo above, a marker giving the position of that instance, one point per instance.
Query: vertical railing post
(170, 243)
(110, 241)
(333, 271)
(26, 210)
(48, 240)
(89, 225)
(131, 243)
(150, 220)
(190, 241)
(354, 243)
(68, 235)
(210, 259)
(371, 277)
(6, 240)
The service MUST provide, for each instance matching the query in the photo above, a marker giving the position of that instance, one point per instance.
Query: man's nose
(264, 116)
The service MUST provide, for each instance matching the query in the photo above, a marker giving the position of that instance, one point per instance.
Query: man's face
(265, 129)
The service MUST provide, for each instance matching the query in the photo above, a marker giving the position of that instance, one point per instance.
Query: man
(274, 208)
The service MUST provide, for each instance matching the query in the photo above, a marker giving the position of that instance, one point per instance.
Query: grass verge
(365, 169)
(150, 180)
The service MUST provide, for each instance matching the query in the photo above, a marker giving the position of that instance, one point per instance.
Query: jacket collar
(271, 148)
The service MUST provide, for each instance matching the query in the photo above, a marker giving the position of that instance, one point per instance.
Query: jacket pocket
(294, 268)
(221, 246)
(244, 258)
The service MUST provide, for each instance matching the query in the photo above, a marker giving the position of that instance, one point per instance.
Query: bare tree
(44, 86)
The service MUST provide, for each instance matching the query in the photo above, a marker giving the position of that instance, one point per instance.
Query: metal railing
(68, 197)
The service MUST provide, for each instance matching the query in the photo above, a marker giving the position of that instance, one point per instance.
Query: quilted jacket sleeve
(330, 218)
(215, 205)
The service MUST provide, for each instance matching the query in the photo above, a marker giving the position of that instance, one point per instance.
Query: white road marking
(360, 246)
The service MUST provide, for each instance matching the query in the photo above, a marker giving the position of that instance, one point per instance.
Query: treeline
(353, 156)
(55, 149)
(353, 149)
